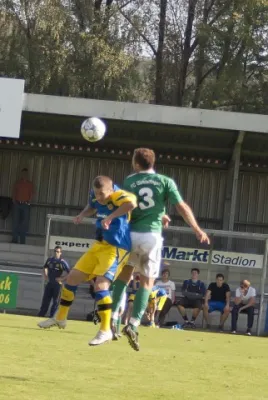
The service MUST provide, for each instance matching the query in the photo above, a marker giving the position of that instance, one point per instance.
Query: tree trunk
(187, 50)
(159, 81)
(200, 61)
(223, 61)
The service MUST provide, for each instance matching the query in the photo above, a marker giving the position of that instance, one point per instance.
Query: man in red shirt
(22, 196)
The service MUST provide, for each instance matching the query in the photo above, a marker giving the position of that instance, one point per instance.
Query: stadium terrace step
(24, 255)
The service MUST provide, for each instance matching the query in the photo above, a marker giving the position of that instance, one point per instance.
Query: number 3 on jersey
(147, 201)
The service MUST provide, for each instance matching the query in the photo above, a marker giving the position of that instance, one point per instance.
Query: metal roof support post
(231, 191)
(210, 259)
(46, 253)
(262, 286)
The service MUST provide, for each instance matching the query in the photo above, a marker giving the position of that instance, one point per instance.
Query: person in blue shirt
(105, 258)
(55, 272)
(193, 292)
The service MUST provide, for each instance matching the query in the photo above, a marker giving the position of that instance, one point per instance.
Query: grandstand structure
(219, 160)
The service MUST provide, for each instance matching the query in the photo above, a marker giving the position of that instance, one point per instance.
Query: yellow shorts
(102, 259)
(161, 303)
(131, 297)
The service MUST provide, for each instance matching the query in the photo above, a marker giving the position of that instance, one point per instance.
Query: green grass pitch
(58, 364)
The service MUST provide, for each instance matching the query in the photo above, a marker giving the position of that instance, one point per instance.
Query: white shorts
(145, 253)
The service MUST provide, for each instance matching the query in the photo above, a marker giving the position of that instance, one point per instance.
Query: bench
(179, 296)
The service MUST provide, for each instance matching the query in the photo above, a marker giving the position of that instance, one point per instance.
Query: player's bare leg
(74, 279)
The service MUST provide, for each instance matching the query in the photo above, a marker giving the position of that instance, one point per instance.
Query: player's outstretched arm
(185, 211)
(124, 209)
(87, 212)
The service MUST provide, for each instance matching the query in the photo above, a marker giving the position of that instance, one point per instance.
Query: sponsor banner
(172, 253)
(8, 290)
(218, 257)
(70, 243)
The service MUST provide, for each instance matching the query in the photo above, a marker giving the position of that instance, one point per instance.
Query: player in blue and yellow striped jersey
(105, 258)
(156, 303)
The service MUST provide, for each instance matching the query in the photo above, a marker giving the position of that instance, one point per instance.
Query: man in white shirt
(244, 301)
(170, 288)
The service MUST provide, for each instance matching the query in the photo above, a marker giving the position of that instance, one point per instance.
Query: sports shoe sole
(99, 344)
(133, 342)
(108, 340)
(51, 326)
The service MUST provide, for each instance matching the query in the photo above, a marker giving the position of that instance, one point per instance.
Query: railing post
(210, 258)
(46, 253)
(262, 287)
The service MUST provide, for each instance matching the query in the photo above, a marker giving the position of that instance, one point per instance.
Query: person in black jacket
(193, 291)
(56, 270)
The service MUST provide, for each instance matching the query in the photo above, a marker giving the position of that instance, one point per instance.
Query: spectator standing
(170, 288)
(22, 197)
(217, 299)
(56, 270)
(245, 298)
(193, 291)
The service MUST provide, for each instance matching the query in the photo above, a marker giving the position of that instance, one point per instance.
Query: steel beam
(231, 190)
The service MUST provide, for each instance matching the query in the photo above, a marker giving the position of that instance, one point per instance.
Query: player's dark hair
(101, 181)
(220, 276)
(165, 271)
(24, 170)
(145, 158)
(196, 269)
(58, 248)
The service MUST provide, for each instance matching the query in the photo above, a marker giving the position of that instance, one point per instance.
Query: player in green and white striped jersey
(152, 190)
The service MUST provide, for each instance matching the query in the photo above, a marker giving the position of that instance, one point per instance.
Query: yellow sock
(104, 302)
(67, 297)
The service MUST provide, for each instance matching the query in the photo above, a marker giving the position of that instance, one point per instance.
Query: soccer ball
(93, 129)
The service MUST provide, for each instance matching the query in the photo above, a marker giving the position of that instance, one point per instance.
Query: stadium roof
(170, 131)
(156, 114)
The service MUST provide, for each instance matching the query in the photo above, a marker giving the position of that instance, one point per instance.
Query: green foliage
(42, 41)
(206, 53)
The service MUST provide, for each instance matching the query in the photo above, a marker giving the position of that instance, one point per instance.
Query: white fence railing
(213, 233)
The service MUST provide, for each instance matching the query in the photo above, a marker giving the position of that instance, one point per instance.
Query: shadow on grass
(14, 378)
(19, 327)
(39, 329)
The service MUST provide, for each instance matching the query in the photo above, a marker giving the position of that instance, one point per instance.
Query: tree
(57, 52)
(194, 53)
